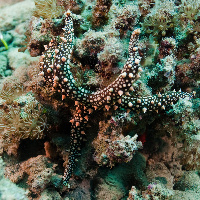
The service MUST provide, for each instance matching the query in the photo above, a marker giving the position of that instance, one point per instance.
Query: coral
(20, 119)
(112, 148)
(76, 6)
(167, 47)
(178, 148)
(101, 51)
(161, 18)
(100, 12)
(154, 191)
(166, 73)
(92, 44)
(48, 9)
(40, 32)
(188, 74)
(88, 87)
(134, 194)
(189, 10)
(145, 6)
(109, 57)
(187, 115)
(126, 18)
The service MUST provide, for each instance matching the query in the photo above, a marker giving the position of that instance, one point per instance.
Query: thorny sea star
(55, 69)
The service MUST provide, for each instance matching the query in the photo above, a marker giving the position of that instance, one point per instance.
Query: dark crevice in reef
(30, 148)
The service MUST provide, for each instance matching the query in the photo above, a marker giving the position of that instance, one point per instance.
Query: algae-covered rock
(19, 59)
(3, 65)
(189, 181)
(15, 14)
(8, 190)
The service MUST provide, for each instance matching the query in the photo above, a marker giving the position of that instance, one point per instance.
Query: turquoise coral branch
(55, 70)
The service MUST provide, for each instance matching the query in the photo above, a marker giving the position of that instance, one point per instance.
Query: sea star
(55, 69)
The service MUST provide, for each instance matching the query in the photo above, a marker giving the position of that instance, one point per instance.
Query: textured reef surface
(99, 99)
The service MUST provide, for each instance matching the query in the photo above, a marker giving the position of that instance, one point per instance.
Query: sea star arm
(77, 134)
(55, 64)
(123, 83)
(153, 103)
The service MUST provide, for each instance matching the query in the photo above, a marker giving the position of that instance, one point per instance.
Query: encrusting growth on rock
(55, 69)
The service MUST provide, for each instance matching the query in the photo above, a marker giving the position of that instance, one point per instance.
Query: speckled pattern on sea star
(55, 69)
